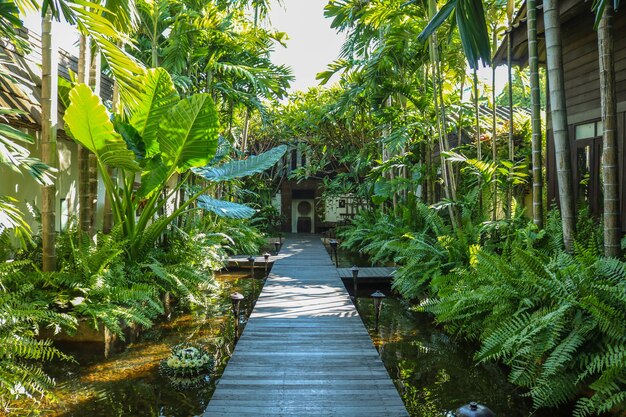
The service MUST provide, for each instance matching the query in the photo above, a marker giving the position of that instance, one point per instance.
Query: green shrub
(558, 321)
(22, 313)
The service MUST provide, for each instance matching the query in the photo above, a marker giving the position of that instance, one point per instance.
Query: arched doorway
(303, 216)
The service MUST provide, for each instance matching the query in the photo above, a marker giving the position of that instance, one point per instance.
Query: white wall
(27, 191)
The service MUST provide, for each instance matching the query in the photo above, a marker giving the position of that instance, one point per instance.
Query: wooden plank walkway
(241, 261)
(368, 273)
(305, 350)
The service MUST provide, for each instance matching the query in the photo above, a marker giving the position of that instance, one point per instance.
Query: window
(589, 130)
(588, 150)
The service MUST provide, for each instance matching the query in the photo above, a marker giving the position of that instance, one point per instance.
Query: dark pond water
(433, 372)
(129, 383)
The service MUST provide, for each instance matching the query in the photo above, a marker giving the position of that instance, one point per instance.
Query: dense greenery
(173, 128)
(437, 164)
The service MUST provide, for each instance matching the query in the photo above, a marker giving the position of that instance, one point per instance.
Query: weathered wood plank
(305, 350)
(368, 273)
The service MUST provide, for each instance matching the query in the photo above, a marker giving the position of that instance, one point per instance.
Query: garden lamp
(251, 259)
(277, 247)
(333, 245)
(378, 303)
(355, 275)
(266, 256)
(474, 410)
(236, 299)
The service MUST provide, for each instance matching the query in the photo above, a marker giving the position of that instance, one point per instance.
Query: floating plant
(188, 365)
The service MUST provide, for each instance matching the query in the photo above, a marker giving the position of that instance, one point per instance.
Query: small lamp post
(333, 246)
(355, 275)
(235, 299)
(378, 304)
(251, 260)
(276, 247)
(266, 256)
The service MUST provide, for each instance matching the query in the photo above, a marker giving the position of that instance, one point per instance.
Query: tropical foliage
(436, 162)
(162, 137)
(162, 130)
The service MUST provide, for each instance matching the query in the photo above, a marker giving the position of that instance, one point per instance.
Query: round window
(304, 208)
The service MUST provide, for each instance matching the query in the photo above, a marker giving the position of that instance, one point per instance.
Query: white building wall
(23, 188)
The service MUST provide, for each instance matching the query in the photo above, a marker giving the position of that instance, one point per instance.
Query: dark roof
(22, 88)
(519, 35)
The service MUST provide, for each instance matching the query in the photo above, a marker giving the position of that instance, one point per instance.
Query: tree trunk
(558, 114)
(610, 171)
(509, 188)
(107, 221)
(444, 126)
(441, 125)
(95, 79)
(84, 204)
(244, 133)
(494, 127)
(49, 97)
(479, 149)
(535, 100)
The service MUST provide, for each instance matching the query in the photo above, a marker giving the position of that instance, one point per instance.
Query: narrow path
(305, 350)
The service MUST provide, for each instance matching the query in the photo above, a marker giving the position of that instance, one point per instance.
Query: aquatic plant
(188, 365)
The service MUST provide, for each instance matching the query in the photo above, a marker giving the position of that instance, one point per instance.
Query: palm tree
(533, 64)
(610, 165)
(509, 14)
(84, 203)
(48, 140)
(558, 113)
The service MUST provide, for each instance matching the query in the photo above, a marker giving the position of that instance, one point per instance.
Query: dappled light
(202, 214)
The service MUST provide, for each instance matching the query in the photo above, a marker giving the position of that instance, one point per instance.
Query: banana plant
(161, 137)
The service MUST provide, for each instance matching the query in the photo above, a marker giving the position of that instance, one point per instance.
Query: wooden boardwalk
(380, 273)
(305, 351)
(241, 261)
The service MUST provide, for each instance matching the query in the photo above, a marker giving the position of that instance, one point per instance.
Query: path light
(474, 410)
(266, 256)
(355, 275)
(333, 246)
(277, 247)
(236, 299)
(251, 259)
(378, 303)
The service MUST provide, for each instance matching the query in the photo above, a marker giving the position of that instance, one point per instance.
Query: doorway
(303, 216)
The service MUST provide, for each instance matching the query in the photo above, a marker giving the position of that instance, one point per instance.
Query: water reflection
(130, 384)
(433, 372)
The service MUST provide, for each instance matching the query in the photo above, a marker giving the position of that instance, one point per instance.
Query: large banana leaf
(243, 168)
(188, 134)
(225, 208)
(154, 174)
(90, 126)
(158, 97)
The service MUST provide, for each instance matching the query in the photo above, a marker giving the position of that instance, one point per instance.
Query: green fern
(22, 312)
(557, 322)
